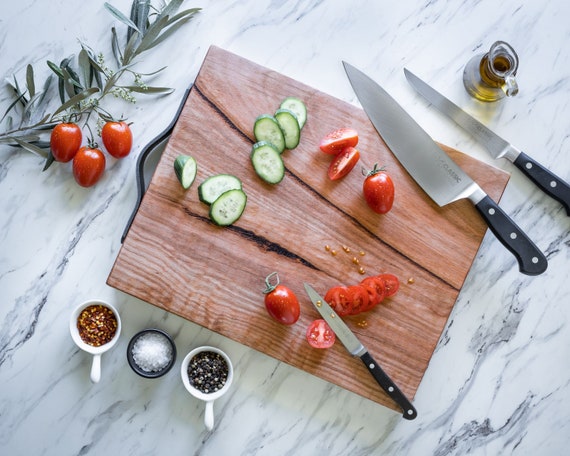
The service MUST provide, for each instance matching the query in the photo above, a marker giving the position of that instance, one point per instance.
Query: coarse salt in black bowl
(151, 353)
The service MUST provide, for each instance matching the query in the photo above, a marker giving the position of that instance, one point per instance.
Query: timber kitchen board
(175, 258)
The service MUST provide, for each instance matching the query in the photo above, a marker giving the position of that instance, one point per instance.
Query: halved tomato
(320, 335)
(337, 140)
(343, 163)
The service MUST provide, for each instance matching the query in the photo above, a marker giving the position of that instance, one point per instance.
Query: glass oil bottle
(491, 76)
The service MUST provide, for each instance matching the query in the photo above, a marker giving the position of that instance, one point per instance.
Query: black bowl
(137, 368)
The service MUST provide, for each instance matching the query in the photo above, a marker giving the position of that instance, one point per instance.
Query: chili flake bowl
(147, 350)
(210, 396)
(108, 335)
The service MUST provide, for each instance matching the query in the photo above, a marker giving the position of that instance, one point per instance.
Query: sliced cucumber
(267, 162)
(297, 107)
(267, 129)
(185, 168)
(228, 207)
(289, 126)
(214, 186)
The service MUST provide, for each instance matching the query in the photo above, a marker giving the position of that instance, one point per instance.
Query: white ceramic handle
(96, 369)
(209, 415)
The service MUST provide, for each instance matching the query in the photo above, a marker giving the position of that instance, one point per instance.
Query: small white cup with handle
(95, 350)
(204, 358)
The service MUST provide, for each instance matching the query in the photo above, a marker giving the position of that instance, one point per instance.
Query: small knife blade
(436, 172)
(544, 179)
(355, 348)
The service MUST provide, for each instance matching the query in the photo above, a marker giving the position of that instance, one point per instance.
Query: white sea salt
(152, 352)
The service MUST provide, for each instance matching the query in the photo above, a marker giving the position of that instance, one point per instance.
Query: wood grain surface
(176, 259)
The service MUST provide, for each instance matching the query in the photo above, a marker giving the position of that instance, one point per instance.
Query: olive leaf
(76, 99)
(148, 89)
(120, 16)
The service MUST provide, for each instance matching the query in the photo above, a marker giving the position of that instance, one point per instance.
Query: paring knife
(547, 181)
(436, 172)
(355, 348)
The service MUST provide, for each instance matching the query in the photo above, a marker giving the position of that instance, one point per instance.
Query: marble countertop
(499, 380)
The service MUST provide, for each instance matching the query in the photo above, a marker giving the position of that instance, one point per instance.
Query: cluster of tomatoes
(378, 187)
(283, 306)
(89, 161)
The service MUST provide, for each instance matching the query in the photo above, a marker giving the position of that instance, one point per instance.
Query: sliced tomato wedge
(339, 299)
(358, 296)
(391, 284)
(337, 140)
(375, 289)
(343, 163)
(320, 334)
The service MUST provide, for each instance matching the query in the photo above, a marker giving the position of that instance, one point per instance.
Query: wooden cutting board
(176, 259)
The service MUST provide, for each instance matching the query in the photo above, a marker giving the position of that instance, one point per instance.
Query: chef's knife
(355, 348)
(547, 181)
(436, 172)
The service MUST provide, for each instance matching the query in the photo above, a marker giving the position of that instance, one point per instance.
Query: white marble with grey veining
(499, 381)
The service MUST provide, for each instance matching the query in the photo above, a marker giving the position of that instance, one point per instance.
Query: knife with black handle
(355, 348)
(497, 147)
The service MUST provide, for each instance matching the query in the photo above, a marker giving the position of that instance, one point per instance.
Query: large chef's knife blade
(547, 181)
(355, 347)
(436, 172)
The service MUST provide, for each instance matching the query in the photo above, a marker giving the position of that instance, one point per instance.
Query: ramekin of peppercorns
(207, 374)
(95, 327)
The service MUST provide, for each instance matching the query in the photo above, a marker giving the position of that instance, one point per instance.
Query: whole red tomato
(378, 190)
(117, 138)
(88, 166)
(280, 302)
(65, 141)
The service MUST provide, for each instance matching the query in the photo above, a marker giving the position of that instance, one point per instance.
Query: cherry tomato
(280, 302)
(88, 166)
(117, 138)
(337, 140)
(343, 163)
(378, 190)
(65, 141)
(391, 284)
(320, 334)
(339, 298)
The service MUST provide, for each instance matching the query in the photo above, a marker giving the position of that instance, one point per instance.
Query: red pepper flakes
(97, 325)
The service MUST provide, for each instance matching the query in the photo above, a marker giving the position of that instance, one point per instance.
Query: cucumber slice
(228, 207)
(214, 186)
(297, 107)
(185, 168)
(289, 126)
(267, 129)
(267, 162)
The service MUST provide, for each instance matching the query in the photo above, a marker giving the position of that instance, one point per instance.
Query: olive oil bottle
(491, 76)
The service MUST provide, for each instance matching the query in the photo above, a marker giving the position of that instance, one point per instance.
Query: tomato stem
(269, 287)
(374, 170)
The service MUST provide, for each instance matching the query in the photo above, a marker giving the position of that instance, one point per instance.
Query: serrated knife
(439, 176)
(355, 348)
(544, 179)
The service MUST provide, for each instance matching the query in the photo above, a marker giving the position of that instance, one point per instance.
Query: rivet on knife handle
(531, 260)
(409, 412)
(550, 183)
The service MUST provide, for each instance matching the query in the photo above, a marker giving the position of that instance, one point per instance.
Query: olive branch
(84, 81)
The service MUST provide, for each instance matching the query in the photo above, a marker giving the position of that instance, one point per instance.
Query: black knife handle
(547, 181)
(531, 260)
(389, 386)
